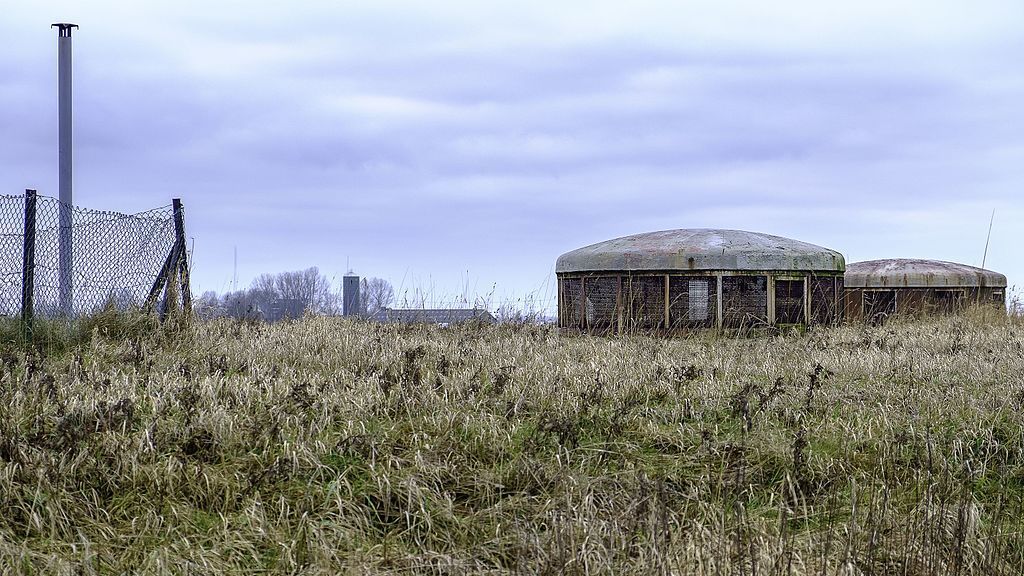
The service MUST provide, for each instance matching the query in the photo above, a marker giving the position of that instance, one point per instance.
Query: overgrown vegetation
(324, 445)
(58, 336)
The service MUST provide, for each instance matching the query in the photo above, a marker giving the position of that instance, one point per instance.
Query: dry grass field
(327, 446)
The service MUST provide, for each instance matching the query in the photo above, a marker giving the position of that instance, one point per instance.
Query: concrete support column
(719, 316)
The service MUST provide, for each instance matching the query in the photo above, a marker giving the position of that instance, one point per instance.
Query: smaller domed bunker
(876, 289)
(676, 281)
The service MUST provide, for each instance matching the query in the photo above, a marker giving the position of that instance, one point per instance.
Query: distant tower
(350, 295)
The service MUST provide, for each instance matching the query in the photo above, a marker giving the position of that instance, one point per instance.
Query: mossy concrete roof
(913, 273)
(701, 249)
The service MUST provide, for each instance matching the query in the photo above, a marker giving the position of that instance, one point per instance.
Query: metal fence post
(181, 270)
(162, 276)
(28, 262)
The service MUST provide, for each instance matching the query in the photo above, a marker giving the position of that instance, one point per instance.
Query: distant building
(877, 289)
(439, 316)
(350, 299)
(284, 309)
(676, 281)
(240, 305)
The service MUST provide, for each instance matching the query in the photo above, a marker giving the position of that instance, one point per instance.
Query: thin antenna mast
(234, 275)
(987, 238)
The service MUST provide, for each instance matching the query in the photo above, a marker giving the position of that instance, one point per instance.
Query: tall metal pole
(65, 257)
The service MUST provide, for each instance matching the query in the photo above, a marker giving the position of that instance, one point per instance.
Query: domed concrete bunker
(876, 289)
(681, 280)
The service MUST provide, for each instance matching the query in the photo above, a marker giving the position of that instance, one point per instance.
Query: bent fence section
(108, 258)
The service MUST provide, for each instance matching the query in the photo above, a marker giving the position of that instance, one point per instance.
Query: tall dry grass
(326, 446)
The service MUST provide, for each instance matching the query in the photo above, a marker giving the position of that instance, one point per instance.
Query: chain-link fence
(110, 258)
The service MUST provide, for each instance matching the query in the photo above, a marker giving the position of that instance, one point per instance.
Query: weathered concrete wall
(606, 302)
(918, 301)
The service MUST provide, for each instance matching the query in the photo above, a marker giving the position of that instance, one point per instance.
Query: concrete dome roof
(701, 249)
(912, 273)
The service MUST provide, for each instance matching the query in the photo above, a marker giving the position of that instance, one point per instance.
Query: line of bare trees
(290, 294)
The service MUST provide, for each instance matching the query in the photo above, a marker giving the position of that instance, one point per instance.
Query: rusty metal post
(583, 302)
(28, 263)
(667, 303)
(807, 301)
(619, 305)
(719, 307)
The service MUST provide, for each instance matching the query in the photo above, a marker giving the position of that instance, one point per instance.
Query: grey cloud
(438, 141)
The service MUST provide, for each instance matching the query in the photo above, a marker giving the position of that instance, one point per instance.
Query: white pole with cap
(66, 258)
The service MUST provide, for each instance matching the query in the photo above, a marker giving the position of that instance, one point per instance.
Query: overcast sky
(461, 147)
